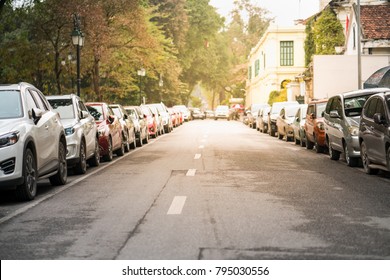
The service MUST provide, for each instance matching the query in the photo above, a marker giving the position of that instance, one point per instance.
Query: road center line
(177, 205)
(191, 172)
(197, 156)
(201, 147)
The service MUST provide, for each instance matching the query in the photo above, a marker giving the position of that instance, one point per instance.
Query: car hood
(9, 125)
(68, 122)
(355, 121)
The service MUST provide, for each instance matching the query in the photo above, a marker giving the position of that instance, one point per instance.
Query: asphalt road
(208, 190)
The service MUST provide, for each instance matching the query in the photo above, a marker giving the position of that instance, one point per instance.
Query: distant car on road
(140, 124)
(274, 113)
(314, 126)
(80, 129)
(374, 133)
(253, 112)
(32, 141)
(285, 120)
(298, 126)
(128, 129)
(221, 112)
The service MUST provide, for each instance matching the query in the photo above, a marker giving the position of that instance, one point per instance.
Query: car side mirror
(83, 114)
(334, 114)
(111, 119)
(312, 116)
(379, 119)
(36, 114)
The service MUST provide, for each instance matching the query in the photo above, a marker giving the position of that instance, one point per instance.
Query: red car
(109, 129)
(314, 125)
(152, 123)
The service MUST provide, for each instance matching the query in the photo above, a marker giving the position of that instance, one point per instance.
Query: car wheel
(317, 147)
(351, 161)
(62, 174)
(388, 159)
(286, 136)
(133, 144)
(95, 160)
(109, 156)
(121, 151)
(146, 140)
(366, 161)
(280, 136)
(309, 144)
(302, 142)
(81, 166)
(28, 189)
(126, 145)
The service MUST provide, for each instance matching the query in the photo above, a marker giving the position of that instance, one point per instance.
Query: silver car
(81, 132)
(342, 119)
(32, 141)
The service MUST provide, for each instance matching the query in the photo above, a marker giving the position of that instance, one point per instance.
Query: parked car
(285, 120)
(314, 125)
(221, 112)
(184, 110)
(109, 129)
(252, 113)
(209, 114)
(298, 126)
(274, 113)
(262, 119)
(342, 118)
(374, 133)
(81, 132)
(165, 118)
(151, 121)
(197, 114)
(140, 124)
(32, 141)
(128, 129)
(158, 117)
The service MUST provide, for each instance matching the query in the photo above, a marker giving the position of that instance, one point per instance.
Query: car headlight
(320, 126)
(354, 130)
(9, 139)
(69, 131)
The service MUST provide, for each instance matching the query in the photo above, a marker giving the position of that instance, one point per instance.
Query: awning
(380, 78)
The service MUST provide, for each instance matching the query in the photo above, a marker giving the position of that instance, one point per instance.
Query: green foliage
(277, 96)
(323, 34)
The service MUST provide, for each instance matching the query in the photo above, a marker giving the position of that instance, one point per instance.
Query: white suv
(80, 129)
(32, 141)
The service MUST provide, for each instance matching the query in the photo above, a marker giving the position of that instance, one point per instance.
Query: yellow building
(277, 57)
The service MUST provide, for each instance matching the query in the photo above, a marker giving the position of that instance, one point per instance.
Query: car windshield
(320, 109)
(64, 107)
(353, 105)
(222, 108)
(10, 105)
(117, 112)
(291, 111)
(96, 111)
(388, 102)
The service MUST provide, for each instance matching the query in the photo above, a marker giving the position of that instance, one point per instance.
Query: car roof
(316, 101)
(360, 92)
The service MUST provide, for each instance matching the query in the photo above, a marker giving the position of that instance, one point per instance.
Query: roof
(375, 21)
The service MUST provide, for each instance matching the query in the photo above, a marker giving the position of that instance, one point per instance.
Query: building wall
(334, 74)
(271, 74)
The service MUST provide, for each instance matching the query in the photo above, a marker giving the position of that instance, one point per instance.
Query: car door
(334, 127)
(89, 127)
(309, 127)
(377, 145)
(367, 125)
(46, 132)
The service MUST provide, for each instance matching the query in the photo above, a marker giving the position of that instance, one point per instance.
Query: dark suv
(374, 133)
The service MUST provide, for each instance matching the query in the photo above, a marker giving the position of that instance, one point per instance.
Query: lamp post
(359, 54)
(141, 73)
(78, 42)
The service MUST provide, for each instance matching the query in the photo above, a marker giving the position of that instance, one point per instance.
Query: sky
(284, 11)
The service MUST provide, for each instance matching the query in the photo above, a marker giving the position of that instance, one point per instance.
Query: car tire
(125, 140)
(309, 144)
(319, 149)
(62, 174)
(28, 189)
(351, 161)
(146, 140)
(366, 161)
(95, 160)
(133, 144)
(280, 136)
(121, 151)
(109, 156)
(81, 166)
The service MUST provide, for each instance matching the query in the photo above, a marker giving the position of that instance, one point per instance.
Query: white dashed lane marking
(177, 205)
(201, 147)
(191, 172)
(197, 156)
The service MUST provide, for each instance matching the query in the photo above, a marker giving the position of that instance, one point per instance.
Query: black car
(374, 133)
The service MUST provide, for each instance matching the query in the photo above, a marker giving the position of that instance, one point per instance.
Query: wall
(334, 74)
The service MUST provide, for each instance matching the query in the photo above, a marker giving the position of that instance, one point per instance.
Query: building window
(257, 67)
(286, 53)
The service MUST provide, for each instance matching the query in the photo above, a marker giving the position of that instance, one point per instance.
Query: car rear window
(353, 106)
(10, 105)
(64, 107)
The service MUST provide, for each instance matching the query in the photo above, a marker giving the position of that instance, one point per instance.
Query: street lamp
(359, 54)
(141, 73)
(78, 41)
